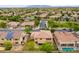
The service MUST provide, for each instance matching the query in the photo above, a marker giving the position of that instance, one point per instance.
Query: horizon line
(20, 6)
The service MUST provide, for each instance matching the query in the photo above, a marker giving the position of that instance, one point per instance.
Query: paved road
(3, 29)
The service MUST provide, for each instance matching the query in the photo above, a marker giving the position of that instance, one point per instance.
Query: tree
(7, 45)
(14, 18)
(3, 17)
(53, 24)
(27, 29)
(48, 47)
(37, 22)
(29, 45)
(3, 25)
(75, 27)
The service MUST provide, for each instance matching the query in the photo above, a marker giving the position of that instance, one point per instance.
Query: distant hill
(48, 6)
(39, 6)
(36, 6)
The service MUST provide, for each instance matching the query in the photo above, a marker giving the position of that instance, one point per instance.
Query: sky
(21, 3)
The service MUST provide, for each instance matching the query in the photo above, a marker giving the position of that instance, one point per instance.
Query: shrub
(48, 47)
(7, 45)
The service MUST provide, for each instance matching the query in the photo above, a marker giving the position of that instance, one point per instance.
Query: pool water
(68, 49)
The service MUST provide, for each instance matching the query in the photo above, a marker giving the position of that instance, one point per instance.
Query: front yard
(46, 47)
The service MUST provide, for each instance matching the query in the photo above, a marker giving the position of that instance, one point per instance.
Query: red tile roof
(42, 34)
(65, 37)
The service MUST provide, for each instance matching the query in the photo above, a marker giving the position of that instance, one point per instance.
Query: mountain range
(38, 6)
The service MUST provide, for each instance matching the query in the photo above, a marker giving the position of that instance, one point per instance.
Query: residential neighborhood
(39, 30)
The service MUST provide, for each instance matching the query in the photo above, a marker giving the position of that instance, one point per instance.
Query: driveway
(17, 48)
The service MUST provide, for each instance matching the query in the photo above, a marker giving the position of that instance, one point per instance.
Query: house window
(63, 44)
(16, 39)
(48, 39)
(36, 42)
(1, 44)
(39, 43)
(77, 45)
(23, 38)
(40, 38)
(16, 42)
(22, 42)
(70, 44)
(2, 39)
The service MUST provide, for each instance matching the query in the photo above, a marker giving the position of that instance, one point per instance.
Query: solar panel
(9, 35)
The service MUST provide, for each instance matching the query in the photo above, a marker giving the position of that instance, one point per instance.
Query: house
(34, 13)
(55, 16)
(43, 15)
(42, 36)
(28, 23)
(19, 37)
(75, 17)
(27, 19)
(65, 17)
(66, 41)
(13, 24)
(16, 37)
(2, 37)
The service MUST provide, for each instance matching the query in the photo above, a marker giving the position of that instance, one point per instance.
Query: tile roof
(3, 34)
(17, 34)
(11, 34)
(65, 36)
(14, 24)
(42, 34)
(30, 23)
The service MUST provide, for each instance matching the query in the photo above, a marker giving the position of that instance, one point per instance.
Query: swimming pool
(67, 49)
